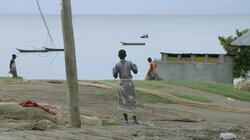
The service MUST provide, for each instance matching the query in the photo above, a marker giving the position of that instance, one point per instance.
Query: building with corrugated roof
(244, 40)
(196, 67)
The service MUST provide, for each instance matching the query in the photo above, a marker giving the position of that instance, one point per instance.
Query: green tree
(241, 56)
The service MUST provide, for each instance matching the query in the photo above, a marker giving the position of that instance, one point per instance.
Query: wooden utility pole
(70, 64)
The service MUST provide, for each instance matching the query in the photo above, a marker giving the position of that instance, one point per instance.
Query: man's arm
(150, 68)
(134, 68)
(115, 71)
(11, 62)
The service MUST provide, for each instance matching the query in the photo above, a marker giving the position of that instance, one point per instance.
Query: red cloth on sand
(28, 103)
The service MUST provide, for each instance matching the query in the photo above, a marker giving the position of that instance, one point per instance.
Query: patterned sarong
(127, 96)
(153, 75)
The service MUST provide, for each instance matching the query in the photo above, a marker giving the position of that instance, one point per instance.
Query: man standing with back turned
(126, 90)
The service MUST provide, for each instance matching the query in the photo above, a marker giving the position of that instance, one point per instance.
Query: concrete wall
(200, 72)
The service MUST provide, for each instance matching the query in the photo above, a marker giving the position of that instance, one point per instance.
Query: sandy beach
(101, 120)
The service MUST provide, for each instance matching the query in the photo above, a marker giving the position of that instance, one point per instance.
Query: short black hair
(122, 54)
(149, 59)
(13, 56)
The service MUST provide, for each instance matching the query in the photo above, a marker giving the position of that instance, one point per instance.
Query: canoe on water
(42, 50)
(127, 43)
(144, 36)
(53, 49)
(30, 51)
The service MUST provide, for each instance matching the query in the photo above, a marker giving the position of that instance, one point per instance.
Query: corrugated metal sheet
(197, 54)
(244, 40)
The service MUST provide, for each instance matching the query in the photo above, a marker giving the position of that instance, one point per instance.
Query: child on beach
(126, 90)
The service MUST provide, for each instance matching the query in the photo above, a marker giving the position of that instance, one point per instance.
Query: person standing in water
(12, 66)
(152, 72)
(126, 89)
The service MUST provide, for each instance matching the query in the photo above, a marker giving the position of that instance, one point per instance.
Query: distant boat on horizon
(127, 43)
(144, 36)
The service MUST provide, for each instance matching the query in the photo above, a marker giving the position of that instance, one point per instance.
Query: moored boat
(144, 36)
(30, 51)
(53, 49)
(127, 43)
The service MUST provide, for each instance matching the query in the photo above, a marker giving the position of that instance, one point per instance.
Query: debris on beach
(228, 136)
(230, 99)
(28, 103)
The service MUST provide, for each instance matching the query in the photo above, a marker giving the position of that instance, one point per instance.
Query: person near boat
(126, 89)
(12, 66)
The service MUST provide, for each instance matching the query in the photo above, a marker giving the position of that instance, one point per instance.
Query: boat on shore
(53, 49)
(31, 51)
(127, 43)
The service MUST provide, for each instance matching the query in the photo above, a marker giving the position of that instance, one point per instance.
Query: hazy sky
(136, 7)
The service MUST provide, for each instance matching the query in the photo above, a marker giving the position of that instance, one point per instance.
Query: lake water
(98, 41)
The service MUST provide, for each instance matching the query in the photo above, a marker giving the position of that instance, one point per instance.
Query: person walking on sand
(12, 66)
(152, 72)
(126, 89)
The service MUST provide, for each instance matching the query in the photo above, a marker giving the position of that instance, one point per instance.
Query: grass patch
(192, 97)
(8, 79)
(220, 89)
(110, 81)
(149, 98)
(110, 121)
(151, 84)
(144, 84)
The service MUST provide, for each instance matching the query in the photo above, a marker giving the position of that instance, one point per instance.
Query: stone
(91, 121)
(227, 136)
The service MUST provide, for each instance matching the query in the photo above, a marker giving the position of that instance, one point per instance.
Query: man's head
(122, 54)
(149, 60)
(14, 56)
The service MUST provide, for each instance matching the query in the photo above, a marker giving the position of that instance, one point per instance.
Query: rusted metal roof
(189, 54)
(244, 40)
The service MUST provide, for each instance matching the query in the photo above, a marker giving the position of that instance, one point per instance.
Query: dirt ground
(158, 121)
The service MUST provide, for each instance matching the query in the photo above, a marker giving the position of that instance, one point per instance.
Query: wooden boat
(126, 43)
(144, 36)
(53, 49)
(30, 51)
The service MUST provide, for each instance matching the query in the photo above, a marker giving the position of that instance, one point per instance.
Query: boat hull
(126, 43)
(53, 49)
(31, 51)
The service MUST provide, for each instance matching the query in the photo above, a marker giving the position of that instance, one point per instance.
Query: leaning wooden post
(70, 64)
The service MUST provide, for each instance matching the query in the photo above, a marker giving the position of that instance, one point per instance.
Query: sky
(130, 7)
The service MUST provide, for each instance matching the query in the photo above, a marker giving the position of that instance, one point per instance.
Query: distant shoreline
(230, 14)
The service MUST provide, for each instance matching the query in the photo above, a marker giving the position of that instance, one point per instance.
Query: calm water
(98, 41)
